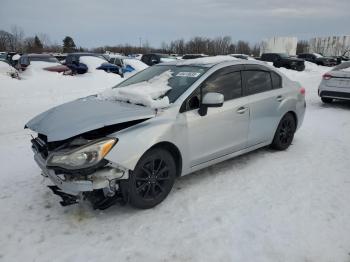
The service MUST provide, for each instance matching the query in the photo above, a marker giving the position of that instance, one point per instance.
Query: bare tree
(18, 35)
(45, 39)
(6, 41)
(243, 47)
(302, 46)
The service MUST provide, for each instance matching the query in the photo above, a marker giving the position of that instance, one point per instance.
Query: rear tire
(327, 100)
(285, 133)
(152, 179)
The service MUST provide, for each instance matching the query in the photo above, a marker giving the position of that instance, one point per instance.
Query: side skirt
(226, 157)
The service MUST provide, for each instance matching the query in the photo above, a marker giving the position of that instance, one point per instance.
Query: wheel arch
(294, 116)
(174, 151)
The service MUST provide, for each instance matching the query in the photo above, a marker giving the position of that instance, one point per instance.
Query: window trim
(235, 68)
(255, 68)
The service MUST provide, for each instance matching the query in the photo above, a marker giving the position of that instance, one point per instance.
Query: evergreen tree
(68, 45)
(37, 45)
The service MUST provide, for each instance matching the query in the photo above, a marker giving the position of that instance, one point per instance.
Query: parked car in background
(26, 59)
(6, 69)
(8, 57)
(59, 68)
(338, 59)
(136, 56)
(284, 60)
(130, 146)
(346, 56)
(153, 59)
(73, 62)
(119, 61)
(3, 55)
(336, 83)
(60, 57)
(318, 59)
(193, 56)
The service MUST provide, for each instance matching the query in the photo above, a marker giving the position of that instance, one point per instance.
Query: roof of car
(214, 60)
(39, 55)
(84, 54)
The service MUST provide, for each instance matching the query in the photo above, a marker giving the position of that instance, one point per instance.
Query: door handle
(279, 98)
(242, 110)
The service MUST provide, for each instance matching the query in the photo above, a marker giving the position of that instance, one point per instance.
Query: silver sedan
(336, 84)
(132, 149)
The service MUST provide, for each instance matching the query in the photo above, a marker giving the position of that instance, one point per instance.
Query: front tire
(327, 100)
(285, 133)
(152, 179)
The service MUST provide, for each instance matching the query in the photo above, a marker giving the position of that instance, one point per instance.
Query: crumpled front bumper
(70, 187)
(104, 178)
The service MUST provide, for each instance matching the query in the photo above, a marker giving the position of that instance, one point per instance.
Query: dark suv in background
(284, 60)
(153, 59)
(319, 59)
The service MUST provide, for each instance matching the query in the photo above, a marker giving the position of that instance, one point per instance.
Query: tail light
(302, 91)
(327, 76)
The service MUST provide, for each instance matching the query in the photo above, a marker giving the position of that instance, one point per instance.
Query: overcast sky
(94, 23)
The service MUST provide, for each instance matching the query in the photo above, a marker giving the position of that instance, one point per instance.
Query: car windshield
(318, 55)
(182, 77)
(283, 55)
(49, 59)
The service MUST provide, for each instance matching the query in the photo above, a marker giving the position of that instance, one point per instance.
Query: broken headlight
(84, 156)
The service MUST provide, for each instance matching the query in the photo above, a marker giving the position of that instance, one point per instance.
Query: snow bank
(167, 59)
(147, 93)
(6, 70)
(207, 60)
(36, 69)
(92, 62)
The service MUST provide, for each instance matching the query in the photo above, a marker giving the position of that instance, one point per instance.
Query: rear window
(257, 81)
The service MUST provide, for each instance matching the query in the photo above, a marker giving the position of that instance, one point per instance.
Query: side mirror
(210, 100)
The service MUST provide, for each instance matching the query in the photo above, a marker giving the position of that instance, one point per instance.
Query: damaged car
(129, 143)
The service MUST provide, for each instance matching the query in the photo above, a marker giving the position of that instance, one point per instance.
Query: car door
(222, 130)
(265, 94)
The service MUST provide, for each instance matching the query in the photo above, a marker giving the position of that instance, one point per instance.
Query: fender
(144, 136)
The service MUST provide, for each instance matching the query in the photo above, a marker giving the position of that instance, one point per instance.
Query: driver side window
(226, 81)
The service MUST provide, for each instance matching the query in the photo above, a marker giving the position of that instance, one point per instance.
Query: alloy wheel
(153, 179)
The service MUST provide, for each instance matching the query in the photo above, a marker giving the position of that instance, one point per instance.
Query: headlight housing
(82, 157)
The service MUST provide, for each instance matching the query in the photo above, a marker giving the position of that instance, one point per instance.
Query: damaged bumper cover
(72, 187)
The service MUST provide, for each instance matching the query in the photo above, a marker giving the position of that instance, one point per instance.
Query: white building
(279, 45)
(330, 46)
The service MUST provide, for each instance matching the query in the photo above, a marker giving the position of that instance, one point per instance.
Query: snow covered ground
(263, 206)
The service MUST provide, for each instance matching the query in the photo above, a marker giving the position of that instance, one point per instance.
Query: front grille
(335, 94)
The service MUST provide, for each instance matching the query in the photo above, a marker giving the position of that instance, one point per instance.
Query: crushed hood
(84, 115)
